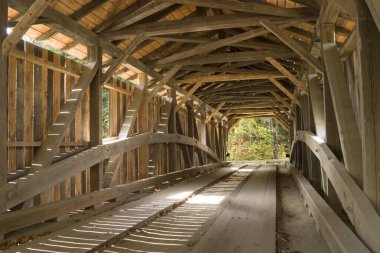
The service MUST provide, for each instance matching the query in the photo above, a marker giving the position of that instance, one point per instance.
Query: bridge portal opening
(257, 139)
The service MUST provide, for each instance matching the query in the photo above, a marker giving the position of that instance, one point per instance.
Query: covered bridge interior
(108, 101)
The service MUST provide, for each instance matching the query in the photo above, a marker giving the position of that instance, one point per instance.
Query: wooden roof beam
(374, 8)
(119, 16)
(145, 11)
(293, 45)
(287, 73)
(207, 47)
(285, 91)
(77, 15)
(257, 56)
(121, 58)
(86, 9)
(26, 21)
(165, 80)
(347, 6)
(215, 112)
(188, 95)
(248, 7)
(187, 25)
(233, 77)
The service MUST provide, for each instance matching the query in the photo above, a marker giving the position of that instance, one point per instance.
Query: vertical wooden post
(316, 98)
(203, 125)
(306, 160)
(203, 133)
(190, 128)
(317, 101)
(368, 73)
(299, 147)
(332, 138)
(212, 134)
(3, 103)
(172, 129)
(222, 151)
(96, 136)
(142, 128)
(348, 129)
(217, 140)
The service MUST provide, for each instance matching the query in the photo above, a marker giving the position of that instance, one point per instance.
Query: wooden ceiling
(257, 76)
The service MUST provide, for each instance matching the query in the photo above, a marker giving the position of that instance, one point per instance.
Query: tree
(258, 139)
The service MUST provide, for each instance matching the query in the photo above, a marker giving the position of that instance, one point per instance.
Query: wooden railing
(28, 186)
(354, 201)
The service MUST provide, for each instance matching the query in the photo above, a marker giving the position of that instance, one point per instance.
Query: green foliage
(106, 113)
(258, 139)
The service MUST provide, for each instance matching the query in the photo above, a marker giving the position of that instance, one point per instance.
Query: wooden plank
(143, 127)
(193, 24)
(293, 45)
(3, 103)
(56, 132)
(281, 99)
(42, 62)
(96, 135)
(349, 7)
(190, 128)
(255, 75)
(165, 80)
(172, 128)
(184, 99)
(142, 211)
(348, 129)
(338, 236)
(12, 98)
(329, 13)
(86, 9)
(120, 16)
(131, 115)
(184, 148)
(202, 135)
(147, 10)
(28, 103)
(121, 58)
(20, 111)
(30, 16)
(285, 91)
(231, 57)
(248, 7)
(311, 166)
(368, 67)
(155, 151)
(316, 98)
(212, 114)
(356, 204)
(44, 110)
(242, 225)
(374, 7)
(287, 73)
(210, 46)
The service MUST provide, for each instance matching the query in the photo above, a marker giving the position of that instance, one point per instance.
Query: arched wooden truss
(20, 190)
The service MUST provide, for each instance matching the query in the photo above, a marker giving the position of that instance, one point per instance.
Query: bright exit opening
(257, 139)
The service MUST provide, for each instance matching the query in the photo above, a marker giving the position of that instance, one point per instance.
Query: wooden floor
(183, 227)
(92, 234)
(248, 224)
(231, 209)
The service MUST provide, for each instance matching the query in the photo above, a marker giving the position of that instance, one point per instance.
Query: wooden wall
(39, 84)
